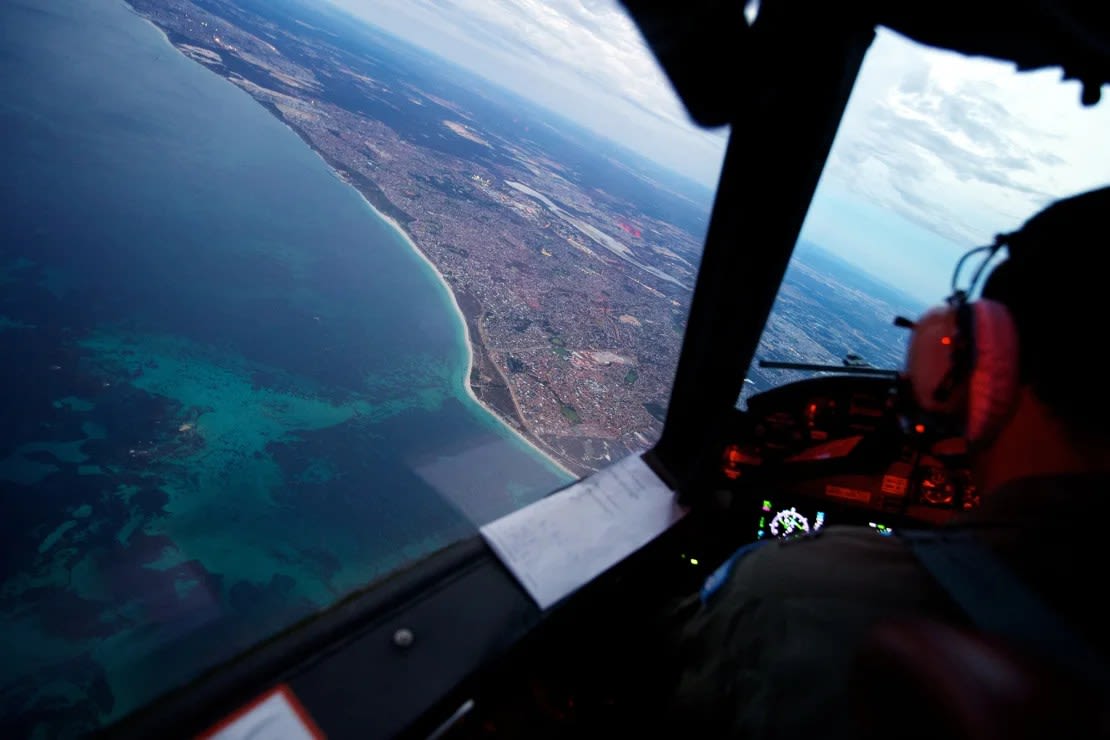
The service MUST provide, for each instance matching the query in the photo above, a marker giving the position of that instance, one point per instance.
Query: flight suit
(771, 652)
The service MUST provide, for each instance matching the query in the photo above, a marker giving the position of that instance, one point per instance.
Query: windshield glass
(291, 301)
(936, 154)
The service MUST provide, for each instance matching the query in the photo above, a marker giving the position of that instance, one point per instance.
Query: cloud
(937, 152)
(964, 147)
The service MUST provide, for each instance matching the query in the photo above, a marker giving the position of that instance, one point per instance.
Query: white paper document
(562, 542)
(275, 716)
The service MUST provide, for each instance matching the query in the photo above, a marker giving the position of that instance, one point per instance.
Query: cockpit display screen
(785, 521)
(788, 521)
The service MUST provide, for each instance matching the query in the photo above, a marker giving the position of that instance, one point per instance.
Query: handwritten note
(564, 541)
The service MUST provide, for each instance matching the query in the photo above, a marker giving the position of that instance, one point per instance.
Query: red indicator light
(732, 459)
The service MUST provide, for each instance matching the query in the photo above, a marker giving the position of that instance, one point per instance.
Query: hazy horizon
(935, 154)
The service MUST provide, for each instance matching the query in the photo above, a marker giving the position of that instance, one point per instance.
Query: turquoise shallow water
(231, 393)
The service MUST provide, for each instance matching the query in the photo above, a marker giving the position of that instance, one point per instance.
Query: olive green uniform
(770, 654)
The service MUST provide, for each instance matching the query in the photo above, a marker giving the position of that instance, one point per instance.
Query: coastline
(468, 339)
(464, 320)
(391, 218)
(339, 173)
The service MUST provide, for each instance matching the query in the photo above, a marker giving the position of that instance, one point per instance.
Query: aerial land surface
(572, 262)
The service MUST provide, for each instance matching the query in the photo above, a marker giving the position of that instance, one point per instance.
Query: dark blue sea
(230, 393)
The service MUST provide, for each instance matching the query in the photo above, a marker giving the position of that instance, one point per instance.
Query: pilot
(771, 653)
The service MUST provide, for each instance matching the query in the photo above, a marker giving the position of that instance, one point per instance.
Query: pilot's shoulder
(838, 558)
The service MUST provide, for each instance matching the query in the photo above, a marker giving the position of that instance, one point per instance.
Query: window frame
(462, 605)
(343, 663)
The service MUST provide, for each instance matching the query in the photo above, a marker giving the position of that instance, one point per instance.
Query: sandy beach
(468, 336)
(508, 415)
(469, 323)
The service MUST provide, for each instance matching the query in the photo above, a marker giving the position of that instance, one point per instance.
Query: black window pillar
(789, 99)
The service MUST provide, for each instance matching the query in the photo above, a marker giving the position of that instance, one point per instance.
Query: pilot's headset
(962, 363)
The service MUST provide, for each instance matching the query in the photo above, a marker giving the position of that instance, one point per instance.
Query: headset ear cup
(993, 385)
(929, 361)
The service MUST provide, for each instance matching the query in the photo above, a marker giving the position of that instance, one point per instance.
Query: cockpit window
(936, 154)
(296, 294)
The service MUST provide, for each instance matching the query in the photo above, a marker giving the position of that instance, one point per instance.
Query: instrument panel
(785, 519)
(839, 449)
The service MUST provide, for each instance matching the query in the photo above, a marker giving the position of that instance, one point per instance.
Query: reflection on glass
(936, 154)
(236, 386)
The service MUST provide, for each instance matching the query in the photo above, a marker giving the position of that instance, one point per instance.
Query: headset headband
(960, 295)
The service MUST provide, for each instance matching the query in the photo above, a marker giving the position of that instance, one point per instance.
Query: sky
(936, 153)
(584, 58)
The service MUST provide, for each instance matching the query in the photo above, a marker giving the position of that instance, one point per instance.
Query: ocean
(230, 392)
